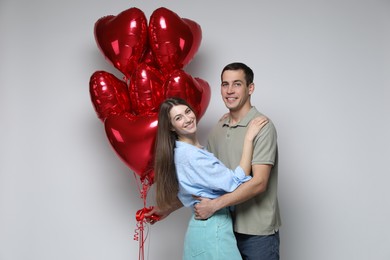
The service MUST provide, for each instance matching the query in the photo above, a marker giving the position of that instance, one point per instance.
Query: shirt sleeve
(207, 173)
(265, 146)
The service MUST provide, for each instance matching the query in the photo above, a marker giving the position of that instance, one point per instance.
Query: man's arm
(258, 184)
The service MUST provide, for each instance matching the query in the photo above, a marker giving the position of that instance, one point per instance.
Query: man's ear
(251, 88)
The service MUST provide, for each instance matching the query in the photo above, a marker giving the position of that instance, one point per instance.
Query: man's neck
(236, 116)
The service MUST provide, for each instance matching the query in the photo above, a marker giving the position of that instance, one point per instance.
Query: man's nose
(230, 89)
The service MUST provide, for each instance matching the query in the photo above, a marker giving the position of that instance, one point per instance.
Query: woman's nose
(186, 118)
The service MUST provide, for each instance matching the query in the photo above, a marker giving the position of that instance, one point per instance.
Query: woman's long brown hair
(165, 178)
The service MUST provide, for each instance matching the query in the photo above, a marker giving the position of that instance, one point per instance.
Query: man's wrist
(217, 204)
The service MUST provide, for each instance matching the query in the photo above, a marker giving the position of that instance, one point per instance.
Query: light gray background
(321, 74)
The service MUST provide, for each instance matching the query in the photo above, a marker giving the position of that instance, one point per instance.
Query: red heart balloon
(173, 40)
(206, 94)
(197, 34)
(146, 90)
(123, 38)
(196, 91)
(133, 138)
(109, 95)
(149, 59)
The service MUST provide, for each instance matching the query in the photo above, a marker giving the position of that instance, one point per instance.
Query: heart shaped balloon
(152, 58)
(146, 90)
(132, 138)
(197, 34)
(173, 40)
(195, 91)
(149, 59)
(109, 95)
(206, 94)
(123, 38)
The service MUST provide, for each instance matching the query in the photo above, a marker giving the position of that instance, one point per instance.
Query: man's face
(234, 90)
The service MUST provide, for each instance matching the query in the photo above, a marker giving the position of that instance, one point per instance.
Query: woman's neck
(193, 140)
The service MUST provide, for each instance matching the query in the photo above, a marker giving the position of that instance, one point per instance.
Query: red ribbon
(140, 215)
(139, 232)
(141, 219)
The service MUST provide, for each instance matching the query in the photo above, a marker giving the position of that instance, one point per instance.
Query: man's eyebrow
(234, 81)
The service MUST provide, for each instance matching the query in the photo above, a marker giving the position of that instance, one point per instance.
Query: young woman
(184, 169)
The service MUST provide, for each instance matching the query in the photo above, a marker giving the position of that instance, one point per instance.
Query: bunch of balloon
(151, 57)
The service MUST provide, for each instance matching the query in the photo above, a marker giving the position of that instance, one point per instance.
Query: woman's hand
(254, 127)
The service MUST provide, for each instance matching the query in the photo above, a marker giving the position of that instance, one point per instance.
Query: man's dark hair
(249, 76)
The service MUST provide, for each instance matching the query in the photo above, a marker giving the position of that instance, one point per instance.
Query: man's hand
(204, 209)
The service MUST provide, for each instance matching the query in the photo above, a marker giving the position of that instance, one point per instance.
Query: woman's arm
(162, 214)
(254, 128)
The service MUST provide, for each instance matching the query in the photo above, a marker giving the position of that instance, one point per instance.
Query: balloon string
(140, 236)
(141, 221)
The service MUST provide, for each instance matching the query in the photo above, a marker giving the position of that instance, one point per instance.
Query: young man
(256, 214)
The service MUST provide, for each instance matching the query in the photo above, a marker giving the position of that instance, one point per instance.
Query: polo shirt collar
(243, 122)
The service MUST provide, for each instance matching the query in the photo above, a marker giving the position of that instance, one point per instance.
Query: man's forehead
(233, 78)
(233, 74)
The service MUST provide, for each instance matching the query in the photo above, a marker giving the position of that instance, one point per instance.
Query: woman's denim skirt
(211, 239)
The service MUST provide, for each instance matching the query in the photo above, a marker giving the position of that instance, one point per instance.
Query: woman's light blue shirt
(200, 173)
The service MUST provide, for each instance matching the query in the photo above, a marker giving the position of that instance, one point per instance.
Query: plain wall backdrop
(321, 74)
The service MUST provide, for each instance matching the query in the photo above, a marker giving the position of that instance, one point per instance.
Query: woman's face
(183, 120)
